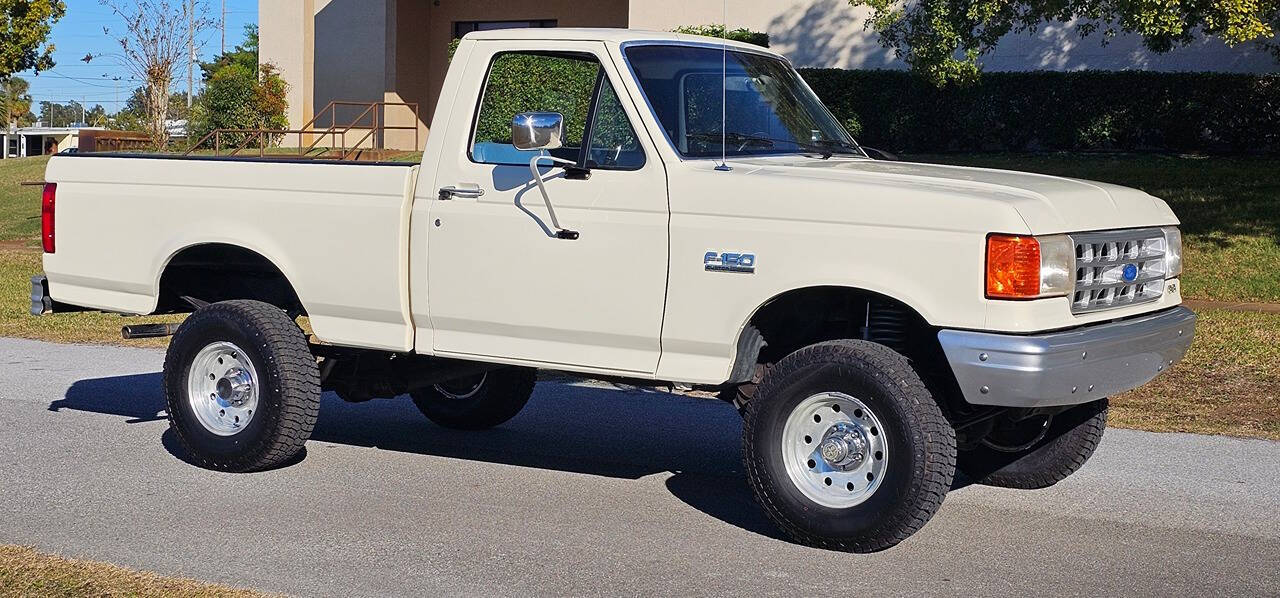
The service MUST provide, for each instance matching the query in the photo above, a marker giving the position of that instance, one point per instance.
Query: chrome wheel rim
(222, 388)
(834, 450)
(462, 388)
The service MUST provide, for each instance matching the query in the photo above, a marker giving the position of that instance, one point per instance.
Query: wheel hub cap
(235, 386)
(845, 447)
(222, 388)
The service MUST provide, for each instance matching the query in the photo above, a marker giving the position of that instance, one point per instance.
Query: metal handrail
(333, 132)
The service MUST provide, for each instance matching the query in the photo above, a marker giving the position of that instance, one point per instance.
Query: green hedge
(531, 83)
(1084, 110)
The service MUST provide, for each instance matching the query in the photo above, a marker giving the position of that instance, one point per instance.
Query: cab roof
(614, 35)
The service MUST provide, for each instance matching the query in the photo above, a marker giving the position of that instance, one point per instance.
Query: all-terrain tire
(1067, 445)
(921, 449)
(288, 386)
(477, 402)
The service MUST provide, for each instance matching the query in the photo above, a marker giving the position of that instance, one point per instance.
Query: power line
(78, 80)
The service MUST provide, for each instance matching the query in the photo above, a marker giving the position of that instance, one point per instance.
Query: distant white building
(22, 142)
(177, 129)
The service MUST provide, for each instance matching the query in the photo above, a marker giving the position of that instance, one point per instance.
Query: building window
(461, 28)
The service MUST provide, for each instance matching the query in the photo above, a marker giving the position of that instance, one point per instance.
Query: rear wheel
(1038, 451)
(477, 402)
(845, 448)
(241, 386)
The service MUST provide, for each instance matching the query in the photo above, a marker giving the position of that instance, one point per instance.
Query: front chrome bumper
(1067, 368)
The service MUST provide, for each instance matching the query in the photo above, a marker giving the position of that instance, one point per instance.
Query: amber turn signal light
(1013, 267)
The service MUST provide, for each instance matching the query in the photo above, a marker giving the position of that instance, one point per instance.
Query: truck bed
(337, 231)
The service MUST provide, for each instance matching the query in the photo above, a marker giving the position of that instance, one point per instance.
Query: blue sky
(81, 32)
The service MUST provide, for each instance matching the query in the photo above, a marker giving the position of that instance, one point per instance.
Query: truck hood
(1047, 204)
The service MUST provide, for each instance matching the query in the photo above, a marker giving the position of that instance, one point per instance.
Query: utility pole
(224, 26)
(191, 47)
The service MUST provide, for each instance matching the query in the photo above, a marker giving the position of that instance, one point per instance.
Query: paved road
(590, 491)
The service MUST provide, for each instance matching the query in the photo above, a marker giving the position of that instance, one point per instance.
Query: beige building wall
(285, 42)
(389, 50)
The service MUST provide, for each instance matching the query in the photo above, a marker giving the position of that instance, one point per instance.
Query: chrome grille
(1101, 260)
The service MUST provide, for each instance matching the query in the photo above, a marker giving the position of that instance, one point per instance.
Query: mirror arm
(561, 232)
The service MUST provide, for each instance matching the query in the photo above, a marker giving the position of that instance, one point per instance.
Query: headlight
(1021, 267)
(1172, 251)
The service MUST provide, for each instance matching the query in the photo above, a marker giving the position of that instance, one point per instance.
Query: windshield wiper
(742, 140)
(844, 145)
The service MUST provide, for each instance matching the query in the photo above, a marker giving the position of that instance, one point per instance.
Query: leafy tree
(15, 102)
(54, 114)
(245, 54)
(24, 27)
(240, 94)
(153, 45)
(237, 96)
(133, 116)
(943, 39)
(97, 116)
(738, 35)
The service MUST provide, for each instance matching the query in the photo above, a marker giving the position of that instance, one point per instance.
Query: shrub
(1083, 110)
(235, 97)
(523, 80)
(738, 35)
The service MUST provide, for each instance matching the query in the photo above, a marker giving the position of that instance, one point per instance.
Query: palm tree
(15, 102)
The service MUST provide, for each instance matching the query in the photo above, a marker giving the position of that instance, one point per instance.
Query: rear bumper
(42, 303)
(1067, 368)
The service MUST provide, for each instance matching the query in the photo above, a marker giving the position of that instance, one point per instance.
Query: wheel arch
(820, 304)
(213, 271)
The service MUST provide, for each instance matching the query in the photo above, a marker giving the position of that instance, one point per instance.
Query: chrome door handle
(452, 192)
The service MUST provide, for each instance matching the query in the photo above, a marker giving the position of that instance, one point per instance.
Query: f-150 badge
(742, 263)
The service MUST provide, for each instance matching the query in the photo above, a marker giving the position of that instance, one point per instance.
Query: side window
(521, 82)
(613, 141)
(565, 83)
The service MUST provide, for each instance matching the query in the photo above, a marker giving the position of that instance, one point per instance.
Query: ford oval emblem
(1129, 273)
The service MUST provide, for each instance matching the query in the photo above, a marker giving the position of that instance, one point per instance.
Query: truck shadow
(590, 429)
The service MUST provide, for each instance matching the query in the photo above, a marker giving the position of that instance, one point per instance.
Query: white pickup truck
(656, 208)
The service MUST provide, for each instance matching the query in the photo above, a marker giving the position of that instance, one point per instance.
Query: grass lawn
(1229, 382)
(16, 269)
(20, 206)
(1230, 208)
(25, 572)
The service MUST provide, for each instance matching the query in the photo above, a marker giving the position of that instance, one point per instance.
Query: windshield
(769, 110)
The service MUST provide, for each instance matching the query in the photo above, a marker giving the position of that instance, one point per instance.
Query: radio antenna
(724, 91)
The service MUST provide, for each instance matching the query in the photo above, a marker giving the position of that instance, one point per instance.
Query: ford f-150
(660, 209)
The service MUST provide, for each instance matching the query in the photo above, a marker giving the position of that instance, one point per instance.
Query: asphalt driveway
(592, 490)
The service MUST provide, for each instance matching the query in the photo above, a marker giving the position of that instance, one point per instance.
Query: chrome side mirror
(537, 131)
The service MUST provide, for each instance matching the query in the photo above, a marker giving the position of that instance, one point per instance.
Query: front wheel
(845, 448)
(477, 402)
(1037, 451)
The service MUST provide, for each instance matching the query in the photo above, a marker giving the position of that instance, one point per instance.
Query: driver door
(501, 284)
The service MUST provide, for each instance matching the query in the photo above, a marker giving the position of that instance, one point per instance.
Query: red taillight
(46, 215)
